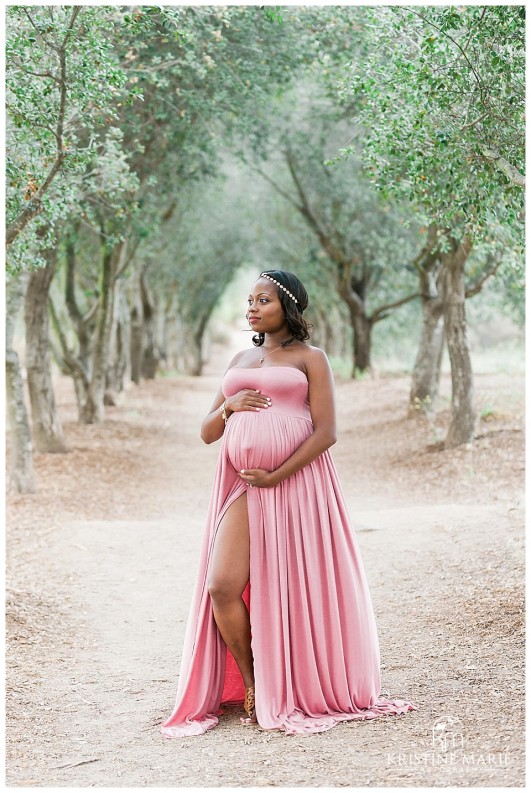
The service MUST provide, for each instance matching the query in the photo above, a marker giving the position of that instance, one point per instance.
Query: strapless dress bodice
(287, 387)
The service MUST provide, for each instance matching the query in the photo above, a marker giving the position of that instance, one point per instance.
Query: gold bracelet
(223, 412)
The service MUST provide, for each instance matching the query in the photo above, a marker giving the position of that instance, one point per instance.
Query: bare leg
(228, 576)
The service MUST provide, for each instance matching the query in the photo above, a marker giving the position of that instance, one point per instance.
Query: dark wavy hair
(297, 325)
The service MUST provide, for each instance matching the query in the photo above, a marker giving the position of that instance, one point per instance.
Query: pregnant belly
(263, 440)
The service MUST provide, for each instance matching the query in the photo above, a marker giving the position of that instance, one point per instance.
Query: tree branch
(428, 255)
(337, 255)
(70, 290)
(35, 74)
(351, 298)
(34, 206)
(49, 129)
(39, 33)
(510, 171)
(62, 103)
(484, 11)
(168, 212)
(376, 316)
(459, 47)
(70, 28)
(280, 190)
(125, 260)
(73, 364)
(478, 285)
(476, 121)
(90, 313)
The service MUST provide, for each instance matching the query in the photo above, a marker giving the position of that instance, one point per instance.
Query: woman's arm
(322, 409)
(213, 425)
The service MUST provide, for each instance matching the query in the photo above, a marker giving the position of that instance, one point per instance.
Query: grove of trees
(151, 152)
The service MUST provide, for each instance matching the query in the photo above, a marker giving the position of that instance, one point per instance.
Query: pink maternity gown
(314, 637)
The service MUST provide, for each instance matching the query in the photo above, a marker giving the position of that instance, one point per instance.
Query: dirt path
(102, 562)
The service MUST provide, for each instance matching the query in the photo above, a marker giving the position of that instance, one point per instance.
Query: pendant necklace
(269, 353)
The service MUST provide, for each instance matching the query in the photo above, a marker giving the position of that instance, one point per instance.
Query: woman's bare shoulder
(236, 358)
(314, 357)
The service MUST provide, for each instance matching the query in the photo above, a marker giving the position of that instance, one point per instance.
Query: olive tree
(368, 242)
(60, 79)
(440, 101)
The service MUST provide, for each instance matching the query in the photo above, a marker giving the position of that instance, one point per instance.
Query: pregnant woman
(281, 617)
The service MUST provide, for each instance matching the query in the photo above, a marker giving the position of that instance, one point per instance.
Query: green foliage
(441, 99)
(62, 86)
(156, 96)
(273, 14)
(177, 83)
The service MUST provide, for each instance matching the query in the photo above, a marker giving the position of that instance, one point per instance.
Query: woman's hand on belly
(247, 399)
(258, 477)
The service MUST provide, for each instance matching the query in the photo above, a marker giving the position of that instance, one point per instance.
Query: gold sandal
(249, 707)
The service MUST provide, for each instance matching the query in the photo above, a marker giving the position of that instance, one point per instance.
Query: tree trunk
(75, 363)
(427, 369)
(136, 343)
(160, 328)
(46, 425)
(362, 328)
(150, 356)
(81, 388)
(352, 291)
(89, 365)
(72, 365)
(119, 349)
(462, 423)
(136, 323)
(191, 348)
(192, 354)
(21, 476)
(172, 332)
(93, 411)
(321, 331)
(196, 363)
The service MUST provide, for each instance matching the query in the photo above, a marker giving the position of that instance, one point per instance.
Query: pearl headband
(265, 275)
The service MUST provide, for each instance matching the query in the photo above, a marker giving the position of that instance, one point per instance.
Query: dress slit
(233, 690)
